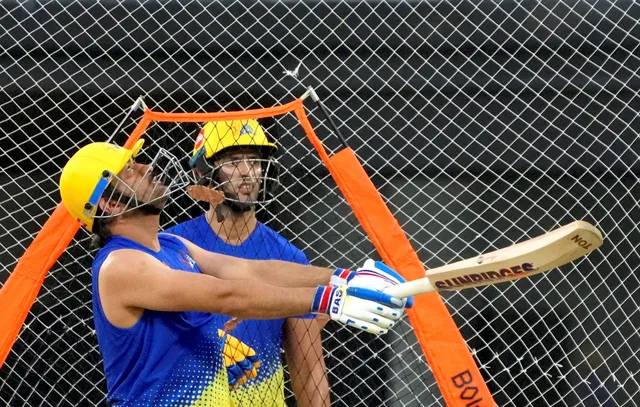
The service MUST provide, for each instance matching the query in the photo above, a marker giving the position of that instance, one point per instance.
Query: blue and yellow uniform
(166, 358)
(264, 336)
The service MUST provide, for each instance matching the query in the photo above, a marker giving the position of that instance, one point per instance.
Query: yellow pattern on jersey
(267, 393)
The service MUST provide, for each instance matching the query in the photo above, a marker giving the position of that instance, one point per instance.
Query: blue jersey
(166, 358)
(264, 336)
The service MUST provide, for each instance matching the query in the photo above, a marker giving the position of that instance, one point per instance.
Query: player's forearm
(318, 387)
(273, 272)
(256, 300)
(286, 274)
(303, 347)
(312, 390)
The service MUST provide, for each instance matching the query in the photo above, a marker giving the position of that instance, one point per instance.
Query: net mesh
(481, 123)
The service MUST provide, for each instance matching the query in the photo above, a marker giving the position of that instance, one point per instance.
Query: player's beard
(155, 202)
(149, 204)
(232, 198)
(151, 208)
(233, 202)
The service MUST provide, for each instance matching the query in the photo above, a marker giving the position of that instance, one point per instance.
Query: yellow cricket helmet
(215, 137)
(86, 176)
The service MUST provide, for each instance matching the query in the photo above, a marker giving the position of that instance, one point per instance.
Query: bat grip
(411, 288)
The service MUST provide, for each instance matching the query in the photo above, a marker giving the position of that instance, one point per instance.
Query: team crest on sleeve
(186, 259)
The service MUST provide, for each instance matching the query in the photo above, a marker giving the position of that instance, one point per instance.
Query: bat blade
(524, 259)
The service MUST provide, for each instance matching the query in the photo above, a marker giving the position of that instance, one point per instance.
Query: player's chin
(163, 197)
(153, 190)
(159, 200)
(157, 194)
(248, 198)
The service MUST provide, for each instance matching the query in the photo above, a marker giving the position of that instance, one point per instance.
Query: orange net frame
(453, 366)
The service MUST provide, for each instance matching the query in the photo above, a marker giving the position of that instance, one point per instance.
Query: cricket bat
(540, 254)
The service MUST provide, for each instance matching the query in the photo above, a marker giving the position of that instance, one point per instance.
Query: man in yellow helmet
(157, 298)
(236, 158)
(235, 145)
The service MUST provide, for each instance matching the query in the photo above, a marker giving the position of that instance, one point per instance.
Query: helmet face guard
(163, 176)
(215, 140)
(211, 175)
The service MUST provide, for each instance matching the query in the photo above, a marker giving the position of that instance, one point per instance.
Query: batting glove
(374, 275)
(341, 277)
(241, 361)
(369, 310)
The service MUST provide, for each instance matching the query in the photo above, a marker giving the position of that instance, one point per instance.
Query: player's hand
(362, 308)
(374, 275)
(241, 361)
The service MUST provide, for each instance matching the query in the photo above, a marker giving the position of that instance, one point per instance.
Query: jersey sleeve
(299, 257)
(174, 230)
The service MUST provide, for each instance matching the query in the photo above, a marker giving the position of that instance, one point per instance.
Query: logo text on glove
(336, 302)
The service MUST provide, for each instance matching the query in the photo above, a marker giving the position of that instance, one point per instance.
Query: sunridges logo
(199, 140)
(475, 278)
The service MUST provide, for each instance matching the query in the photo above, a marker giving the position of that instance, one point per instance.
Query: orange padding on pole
(458, 377)
(21, 288)
(453, 366)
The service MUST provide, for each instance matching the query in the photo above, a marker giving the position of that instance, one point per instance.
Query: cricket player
(236, 158)
(157, 297)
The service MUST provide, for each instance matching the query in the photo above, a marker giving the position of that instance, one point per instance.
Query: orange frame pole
(19, 292)
(458, 377)
(453, 366)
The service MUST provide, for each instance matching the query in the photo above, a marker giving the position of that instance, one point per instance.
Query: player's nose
(244, 166)
(142, 169)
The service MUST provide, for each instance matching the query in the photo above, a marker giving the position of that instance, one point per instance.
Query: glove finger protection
(371, 311)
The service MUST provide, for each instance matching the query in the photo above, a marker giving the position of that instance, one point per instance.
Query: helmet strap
(219, 214)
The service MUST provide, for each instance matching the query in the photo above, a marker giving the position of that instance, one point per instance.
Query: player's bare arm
(273, 272)
(131, 281)
(307, 370)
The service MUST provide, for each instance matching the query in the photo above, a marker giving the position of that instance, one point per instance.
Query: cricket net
(481, 125)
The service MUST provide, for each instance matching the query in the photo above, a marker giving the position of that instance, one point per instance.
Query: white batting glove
(369, 310)
(374, 275)
(341, 277)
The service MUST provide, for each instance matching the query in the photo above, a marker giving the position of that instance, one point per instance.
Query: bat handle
(411, 288)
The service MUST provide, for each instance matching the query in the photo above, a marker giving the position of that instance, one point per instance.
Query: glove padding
(376, 275)
(241, 361)
(341, 277)
(362, 308)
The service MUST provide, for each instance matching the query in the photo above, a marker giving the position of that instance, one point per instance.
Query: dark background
(482, 124)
